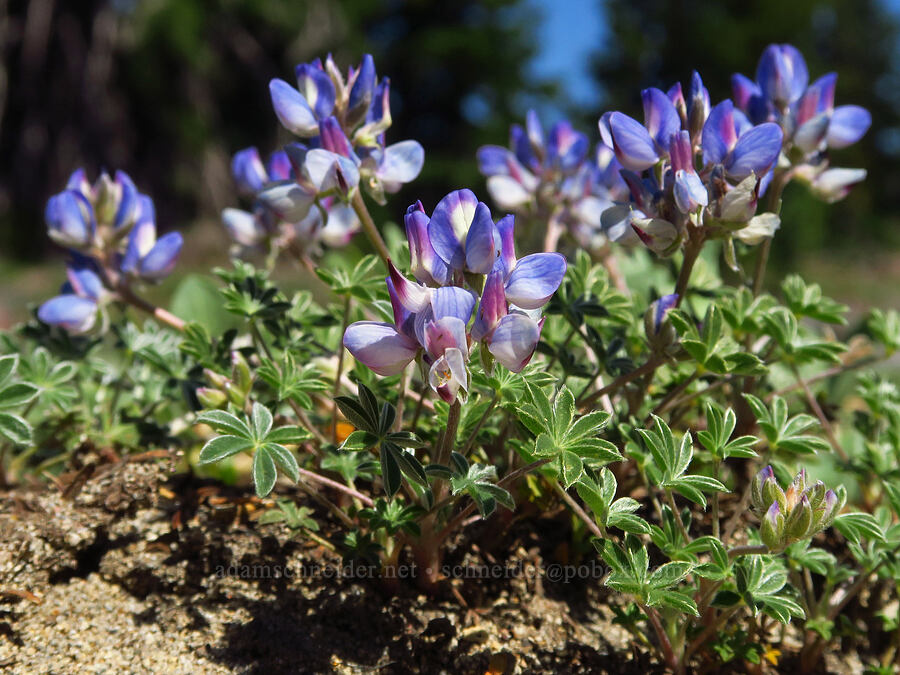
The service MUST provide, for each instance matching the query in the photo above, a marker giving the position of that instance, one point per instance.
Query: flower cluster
(794, 514)
(806, 113)
(332, 223)
(110, 231)
(462, 260)
(342, 121)
(690, 163)
(552, 176)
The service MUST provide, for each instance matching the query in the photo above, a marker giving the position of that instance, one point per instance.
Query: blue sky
(568, 35)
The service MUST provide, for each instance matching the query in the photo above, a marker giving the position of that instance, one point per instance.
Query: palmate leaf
(223, 446)
(8, 365)
(571, 442)
(857, 526)
(672, 459)
(15, 429)
(478, 481)
(716, 438)
(226, 423)
(783, 432)
(264, 472)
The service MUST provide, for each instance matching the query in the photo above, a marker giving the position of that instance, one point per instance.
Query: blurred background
(168, 90)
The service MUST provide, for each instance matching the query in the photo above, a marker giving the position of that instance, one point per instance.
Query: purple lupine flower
(70, 219)
(75, 308)
(346, 117)
(146, 256)
(552, 172)
(729, 139)
(806, 112)
(433, 317)
(283, 203)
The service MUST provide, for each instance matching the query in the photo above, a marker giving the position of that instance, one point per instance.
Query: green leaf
(360, 440)
(261, 421)
(264, 472)
(221, 447)
(357, 414)
(669, 574)
(285, 459)
(8, 366)
(391, 475)
(571, 468)
(628, 522)
(857, 526)
(225, 423)
(674, 599)
(290, 435)
(15, 429)
(17, 394)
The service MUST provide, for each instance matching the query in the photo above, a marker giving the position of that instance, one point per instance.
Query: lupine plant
(689, 421)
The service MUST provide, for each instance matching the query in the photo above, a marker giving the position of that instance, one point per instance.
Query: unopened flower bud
(798, 524)
(240, 372)
(211, 399)
(661, 334)
(772, 529)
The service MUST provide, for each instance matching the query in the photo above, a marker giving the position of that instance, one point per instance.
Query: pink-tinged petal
(243, 227)
(566, 148)
(279, 166)
(506, 227)
(681, 153)
(78, 181)
(413, 296)
(507, 192)
(492, 307)
(743, 89)
(810, 134)
(72, 312)
(449, 225)
(825, 87)
(660, 116)
(161, 259)
(443, 334)
(401, 162)
(657, 234)
(288, 201)
(404, 320)
(452, 301)
(534, 279)
(332, 137)
(719, 135)
(849, 123)
(448, 375)
(834, 184)
(292, 110)
(481, 249)
(514, 340)
(380, 347)
(756, 151)
(632, 142)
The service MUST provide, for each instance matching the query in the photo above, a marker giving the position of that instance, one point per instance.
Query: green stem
(820, 414)
(691, 253)
(359, 206)
(684, 533)
(747, 549)
(481, 421)
(578, 511)
(340, 368)
(776, 189)
(651, 365)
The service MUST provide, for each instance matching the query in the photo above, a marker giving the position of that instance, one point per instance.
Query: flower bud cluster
(794, 514)
(110, 231)
(223, 390)
(464, 263)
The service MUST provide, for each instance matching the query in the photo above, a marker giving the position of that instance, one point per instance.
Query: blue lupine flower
(347, 118)
(552, 173)
(806, 113)
(433, 318)
(286, 208)
(146, 256)
(75, 309)
(741, 148)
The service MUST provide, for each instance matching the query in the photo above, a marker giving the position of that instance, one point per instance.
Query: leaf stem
(359, 206)
(578, 511)
(481, 421)
(356, 494)
(160, 314)
(340, 367)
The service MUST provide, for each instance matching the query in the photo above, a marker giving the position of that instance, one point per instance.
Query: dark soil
(119, 570)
